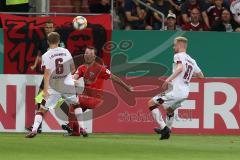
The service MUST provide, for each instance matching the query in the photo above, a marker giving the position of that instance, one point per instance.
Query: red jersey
(192, 27)
(93, 76)
(214, 14)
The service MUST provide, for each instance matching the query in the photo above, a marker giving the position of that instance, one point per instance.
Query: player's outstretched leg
(79, 115)
(163, 130)
(37, 121)
(71, 127)
(39, 101)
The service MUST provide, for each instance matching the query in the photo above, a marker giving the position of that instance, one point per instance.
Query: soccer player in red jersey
(94, 75)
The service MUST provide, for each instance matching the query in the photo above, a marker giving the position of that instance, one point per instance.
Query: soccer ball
(79, 22)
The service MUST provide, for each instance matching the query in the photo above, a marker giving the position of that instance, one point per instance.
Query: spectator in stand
(176, 8)
(235, 9)
(119, 10)
(188, 5)
(135, 16)
(214, 12)
(103, 6)
(148, 17)
(195, 23)
(226, 23)
(171, 22)
(176, 4)
(162, 6)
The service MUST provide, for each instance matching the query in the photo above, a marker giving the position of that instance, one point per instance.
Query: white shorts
(168, 100)
(54, 96)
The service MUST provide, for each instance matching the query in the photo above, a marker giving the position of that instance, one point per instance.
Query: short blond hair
(181, 39)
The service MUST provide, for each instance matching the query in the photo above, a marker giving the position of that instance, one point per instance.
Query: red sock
(73, 121)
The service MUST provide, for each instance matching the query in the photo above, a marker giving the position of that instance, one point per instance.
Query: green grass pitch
(118, 147)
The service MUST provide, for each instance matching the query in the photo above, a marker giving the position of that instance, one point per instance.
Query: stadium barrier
(212, 108)
(1, 51)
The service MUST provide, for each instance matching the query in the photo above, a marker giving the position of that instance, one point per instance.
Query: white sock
(37, 121)
(158, 117)
(79, 114)
(169, 121)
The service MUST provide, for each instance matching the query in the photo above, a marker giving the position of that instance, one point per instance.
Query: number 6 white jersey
(181, 82)
(58, 61)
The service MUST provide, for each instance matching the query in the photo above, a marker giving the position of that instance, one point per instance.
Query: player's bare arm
(46, 77)
(198, 75)
(178, 70)
(120, 82)
(38, 59)
(76, 76)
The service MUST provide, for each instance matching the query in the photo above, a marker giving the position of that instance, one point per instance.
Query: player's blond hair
(181, 39)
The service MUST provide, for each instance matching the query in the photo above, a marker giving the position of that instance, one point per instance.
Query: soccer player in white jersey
(184, 68)
(58, 82)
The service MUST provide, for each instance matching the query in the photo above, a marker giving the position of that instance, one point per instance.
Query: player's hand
(32, 67)
(130, 89)
(75, 82)
(45, 94)
(165, 85)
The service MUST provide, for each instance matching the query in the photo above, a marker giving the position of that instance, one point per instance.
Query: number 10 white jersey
(181, 82)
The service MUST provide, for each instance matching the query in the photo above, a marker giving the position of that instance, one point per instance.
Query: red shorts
(87, 102)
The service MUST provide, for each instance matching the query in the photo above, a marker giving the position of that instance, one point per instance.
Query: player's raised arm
(38, 58)
(120, 82)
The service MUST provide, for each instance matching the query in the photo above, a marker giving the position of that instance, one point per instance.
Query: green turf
(118, 147)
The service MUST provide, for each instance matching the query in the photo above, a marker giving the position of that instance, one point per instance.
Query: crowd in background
(187, 15)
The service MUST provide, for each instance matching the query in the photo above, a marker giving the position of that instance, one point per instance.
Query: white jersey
(235, 9)
(58, 61)
(181, 82)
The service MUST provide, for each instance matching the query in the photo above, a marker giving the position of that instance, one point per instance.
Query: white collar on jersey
(181, 53)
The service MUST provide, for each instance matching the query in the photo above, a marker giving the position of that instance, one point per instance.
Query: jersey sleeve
(105, 73)
(177, 59)
(45, 63)
(80, 71)
(196, 68)
(70, 58)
